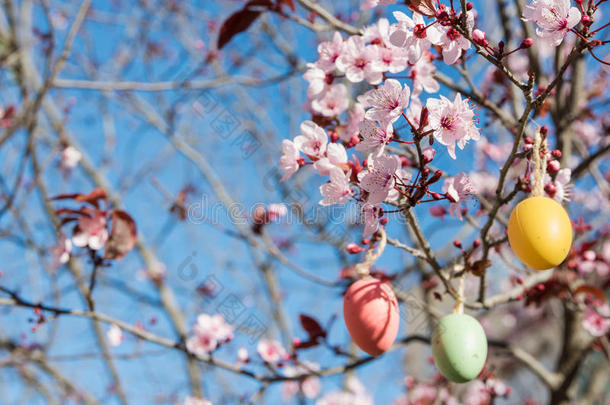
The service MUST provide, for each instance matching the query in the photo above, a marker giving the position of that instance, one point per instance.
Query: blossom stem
(401, 192)
(407, 118)
(399, 141)
(599, 29)
(579, 35)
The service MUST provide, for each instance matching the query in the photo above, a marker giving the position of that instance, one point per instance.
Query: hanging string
(539, 164)
(364, 269)
(458, 308)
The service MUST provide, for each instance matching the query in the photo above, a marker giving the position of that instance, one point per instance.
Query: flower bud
(457, 244)
(384, 221)
(552, 167)
(437, 175)
(478, 37)
(526, 43)
(550, 189)
(556, 153)
(352, 249)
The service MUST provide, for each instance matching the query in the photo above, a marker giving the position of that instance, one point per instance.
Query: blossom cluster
(372, 122)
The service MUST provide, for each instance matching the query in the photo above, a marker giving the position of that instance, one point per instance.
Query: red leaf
(122, 237)
(91, 198)
(241, 20)
(312, 327)
(289, 3)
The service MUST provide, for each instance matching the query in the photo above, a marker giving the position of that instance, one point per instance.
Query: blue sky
(136, 145)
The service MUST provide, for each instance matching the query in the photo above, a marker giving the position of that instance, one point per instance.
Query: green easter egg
(459, 347)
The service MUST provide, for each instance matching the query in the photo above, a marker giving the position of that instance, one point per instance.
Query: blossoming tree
(295, 201)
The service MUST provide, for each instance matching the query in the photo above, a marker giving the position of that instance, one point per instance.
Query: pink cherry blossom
(333, 102)
(91, 232)
(114, 335)
(378, 179)
(369, 4)
(357, 61)
(561, 183)
(195, 401)
(370, 217)
(392, 60)
(318, 81)
(378, 34)
(410, 33)
(310, 386)
(422, 74)
(271, 351)
(70, 156)
(373, 137)
(276, 211)
(329, 51)
(312, 140)
(452, 122)
(428, 152)
(477, 394)
(336, 156)
(242, 355)
(484, 183)
(289, 160)
(356, 115)
(355, 394)
(209, 331)
(387, 102)
(553, 17)
(423, 394)
(497, 387)
(597, 322)
(587, 131)
(453, 43)
(457, 188)
(60, 252)
(338, 190)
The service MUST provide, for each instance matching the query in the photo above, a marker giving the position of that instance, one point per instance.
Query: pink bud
(428, 153)
(334, 136)
(384, 221)
(527, 43)
(556, 153)
(352, 249)
(457, 244)
(478, 37)
(550, 189)
(552, 167)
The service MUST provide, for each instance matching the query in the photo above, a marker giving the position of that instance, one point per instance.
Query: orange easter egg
(540, 232)
(371, 315)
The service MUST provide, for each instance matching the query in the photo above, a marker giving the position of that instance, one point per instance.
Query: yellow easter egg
(540, 232)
